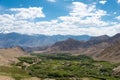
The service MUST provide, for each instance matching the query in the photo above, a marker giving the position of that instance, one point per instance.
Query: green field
(14, 72)
(62, 67)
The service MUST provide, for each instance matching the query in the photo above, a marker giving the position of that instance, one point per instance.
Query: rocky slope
(9, 55)
(69, 44)
(111, 53)
(100, 48)
(72, 44)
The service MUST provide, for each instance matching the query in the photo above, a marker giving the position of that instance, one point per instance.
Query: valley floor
(59, 67)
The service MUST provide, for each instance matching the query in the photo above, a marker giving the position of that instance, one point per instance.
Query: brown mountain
(69, 44)
(9, 55)
(100, 48)
(99, 38)
(112, 52)
(72, 44)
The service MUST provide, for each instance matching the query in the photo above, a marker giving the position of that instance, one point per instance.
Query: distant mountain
(72, 44)
(15, 39)
(99, 38)
(100, 48)
(69, 44)
(112, 52)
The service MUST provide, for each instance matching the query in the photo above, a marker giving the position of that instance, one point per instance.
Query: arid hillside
(9, 55)
(100, 48)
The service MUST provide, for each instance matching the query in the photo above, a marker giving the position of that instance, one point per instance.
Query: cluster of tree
(64, 66)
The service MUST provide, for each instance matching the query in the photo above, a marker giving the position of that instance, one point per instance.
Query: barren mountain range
(100, 48)
(23, 40)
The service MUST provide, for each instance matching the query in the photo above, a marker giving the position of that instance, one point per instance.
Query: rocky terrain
(9, 55)
(100, 48)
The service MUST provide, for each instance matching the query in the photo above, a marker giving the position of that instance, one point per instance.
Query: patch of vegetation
(66, 66)
(29, 60)
(61, 67)
(13, 71)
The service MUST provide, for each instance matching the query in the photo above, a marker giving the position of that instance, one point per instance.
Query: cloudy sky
(65, 17)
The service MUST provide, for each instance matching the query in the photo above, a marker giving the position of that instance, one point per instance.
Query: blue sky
(65, 17)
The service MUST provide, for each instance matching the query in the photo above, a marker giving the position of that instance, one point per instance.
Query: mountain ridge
(16, 39)
(107, 48)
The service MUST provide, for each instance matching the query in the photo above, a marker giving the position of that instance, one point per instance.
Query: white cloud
(82, 19)
(118, 1)
(102, 1)
(51, 0)
(115, 13)
(85, 15)
(118, 17)
(28, 13)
